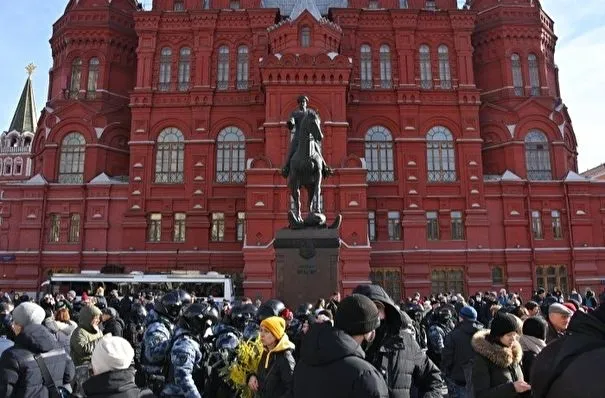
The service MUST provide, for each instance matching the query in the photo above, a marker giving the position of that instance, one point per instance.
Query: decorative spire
(303, 5)
(26, 117)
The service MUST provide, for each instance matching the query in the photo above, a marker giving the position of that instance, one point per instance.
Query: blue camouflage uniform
(185, 360)
(156, 341)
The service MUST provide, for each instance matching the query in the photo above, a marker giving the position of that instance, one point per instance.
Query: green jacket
(84, 338)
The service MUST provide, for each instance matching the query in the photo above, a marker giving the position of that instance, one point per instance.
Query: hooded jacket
(84, 338)
(333, 365)
(396, 354)
(496, 367)
(584, 352)
(458, 354)
(115, 384)
(275, 371)
(20, 375)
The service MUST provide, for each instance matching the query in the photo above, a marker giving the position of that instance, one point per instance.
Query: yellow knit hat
(276, 325)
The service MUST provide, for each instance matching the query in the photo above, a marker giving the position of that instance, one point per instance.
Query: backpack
(54, 391)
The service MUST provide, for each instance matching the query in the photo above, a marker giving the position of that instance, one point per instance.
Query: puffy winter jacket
(458, 354)
(333, 365)
(396, 354)
(20, 375)
(84, 338)
(275, 380)
(115, 384)
(583, 350)
(496, 368)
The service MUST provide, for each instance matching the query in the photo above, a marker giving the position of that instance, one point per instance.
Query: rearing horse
(306, 166)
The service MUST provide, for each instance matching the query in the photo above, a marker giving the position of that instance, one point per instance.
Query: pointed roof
(303, 5)
(26, 116)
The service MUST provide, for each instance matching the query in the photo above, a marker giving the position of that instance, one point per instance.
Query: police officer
(185, 376)
(158, 335)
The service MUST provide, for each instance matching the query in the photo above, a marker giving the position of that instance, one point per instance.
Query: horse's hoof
(315, 220)
(336, 223)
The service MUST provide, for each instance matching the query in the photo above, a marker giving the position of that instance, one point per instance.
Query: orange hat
(276, 325)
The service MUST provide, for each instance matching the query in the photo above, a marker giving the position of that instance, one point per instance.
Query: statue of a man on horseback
(305, 165)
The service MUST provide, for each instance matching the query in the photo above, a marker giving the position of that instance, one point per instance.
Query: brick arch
(383, 121)
(538, 122)
(497, 130)
(166, 123)
(68, 126)
(222, 124)
(446, 122)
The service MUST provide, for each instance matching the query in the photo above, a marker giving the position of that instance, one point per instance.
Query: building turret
(15, 143)
(525, 126)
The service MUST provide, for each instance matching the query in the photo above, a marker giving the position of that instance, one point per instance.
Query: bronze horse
(305, 170)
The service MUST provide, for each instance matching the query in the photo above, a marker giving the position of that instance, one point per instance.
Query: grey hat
(557, 308)
(26, 314)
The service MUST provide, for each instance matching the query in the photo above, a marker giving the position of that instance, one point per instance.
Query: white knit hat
(111, 353)
(26, 314)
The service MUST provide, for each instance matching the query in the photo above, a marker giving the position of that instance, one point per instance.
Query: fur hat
(357, 315)
(111, 353)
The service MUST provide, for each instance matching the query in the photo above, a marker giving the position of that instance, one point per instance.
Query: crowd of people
(490, 345)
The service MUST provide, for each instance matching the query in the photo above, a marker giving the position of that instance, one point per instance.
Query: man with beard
(395, 353)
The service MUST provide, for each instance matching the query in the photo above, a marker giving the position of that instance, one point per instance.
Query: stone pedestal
(306, 264)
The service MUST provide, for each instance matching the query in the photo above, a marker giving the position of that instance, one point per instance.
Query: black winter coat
(396, 354)
(332, 365)
(458, 354)
(115, 384)
(584, 352)
(275, 380)
(496, 368)
(20, 376)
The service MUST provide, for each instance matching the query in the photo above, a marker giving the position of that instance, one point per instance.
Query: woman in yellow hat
(273, 378)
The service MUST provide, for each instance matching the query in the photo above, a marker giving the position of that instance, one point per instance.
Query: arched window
(8, 167)
(537, 156)
(426, 77)
(366, 66)
(18, 166)
(379, 154)
(242, 68)
(170, 152)
(27, 141)
(222, 77)
(385, 66)
(93, 78)
(441, 161)
(305, 36)
(1, 168)
(76, 77)
(230, 156)
(515, 62)
(534, 74)
(71, 165)
(165, 68)
(184, 68)
(445, 76)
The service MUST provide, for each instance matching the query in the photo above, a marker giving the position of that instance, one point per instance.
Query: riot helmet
(270, 308)
(172, 303)
(138, 313)
(242, 314)
(198, 317)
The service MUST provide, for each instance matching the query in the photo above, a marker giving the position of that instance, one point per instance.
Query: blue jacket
(156, 342)
(185, 360)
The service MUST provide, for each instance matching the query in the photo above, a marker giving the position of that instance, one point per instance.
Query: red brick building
(164, 132)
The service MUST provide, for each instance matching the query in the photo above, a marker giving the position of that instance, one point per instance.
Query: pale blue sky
(26, 27)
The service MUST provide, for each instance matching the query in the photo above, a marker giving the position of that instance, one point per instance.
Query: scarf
(531, 343)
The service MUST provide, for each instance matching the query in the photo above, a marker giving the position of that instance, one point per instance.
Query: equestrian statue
(305, 166)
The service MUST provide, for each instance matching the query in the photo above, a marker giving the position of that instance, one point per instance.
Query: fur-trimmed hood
(499, 355)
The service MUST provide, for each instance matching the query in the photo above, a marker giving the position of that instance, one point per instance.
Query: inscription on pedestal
(306, 264)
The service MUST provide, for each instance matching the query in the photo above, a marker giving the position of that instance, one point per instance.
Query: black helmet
(270, 308)
(198, 317)
(138, 313)
(242, 314)
(172, 303)
(444, 314)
